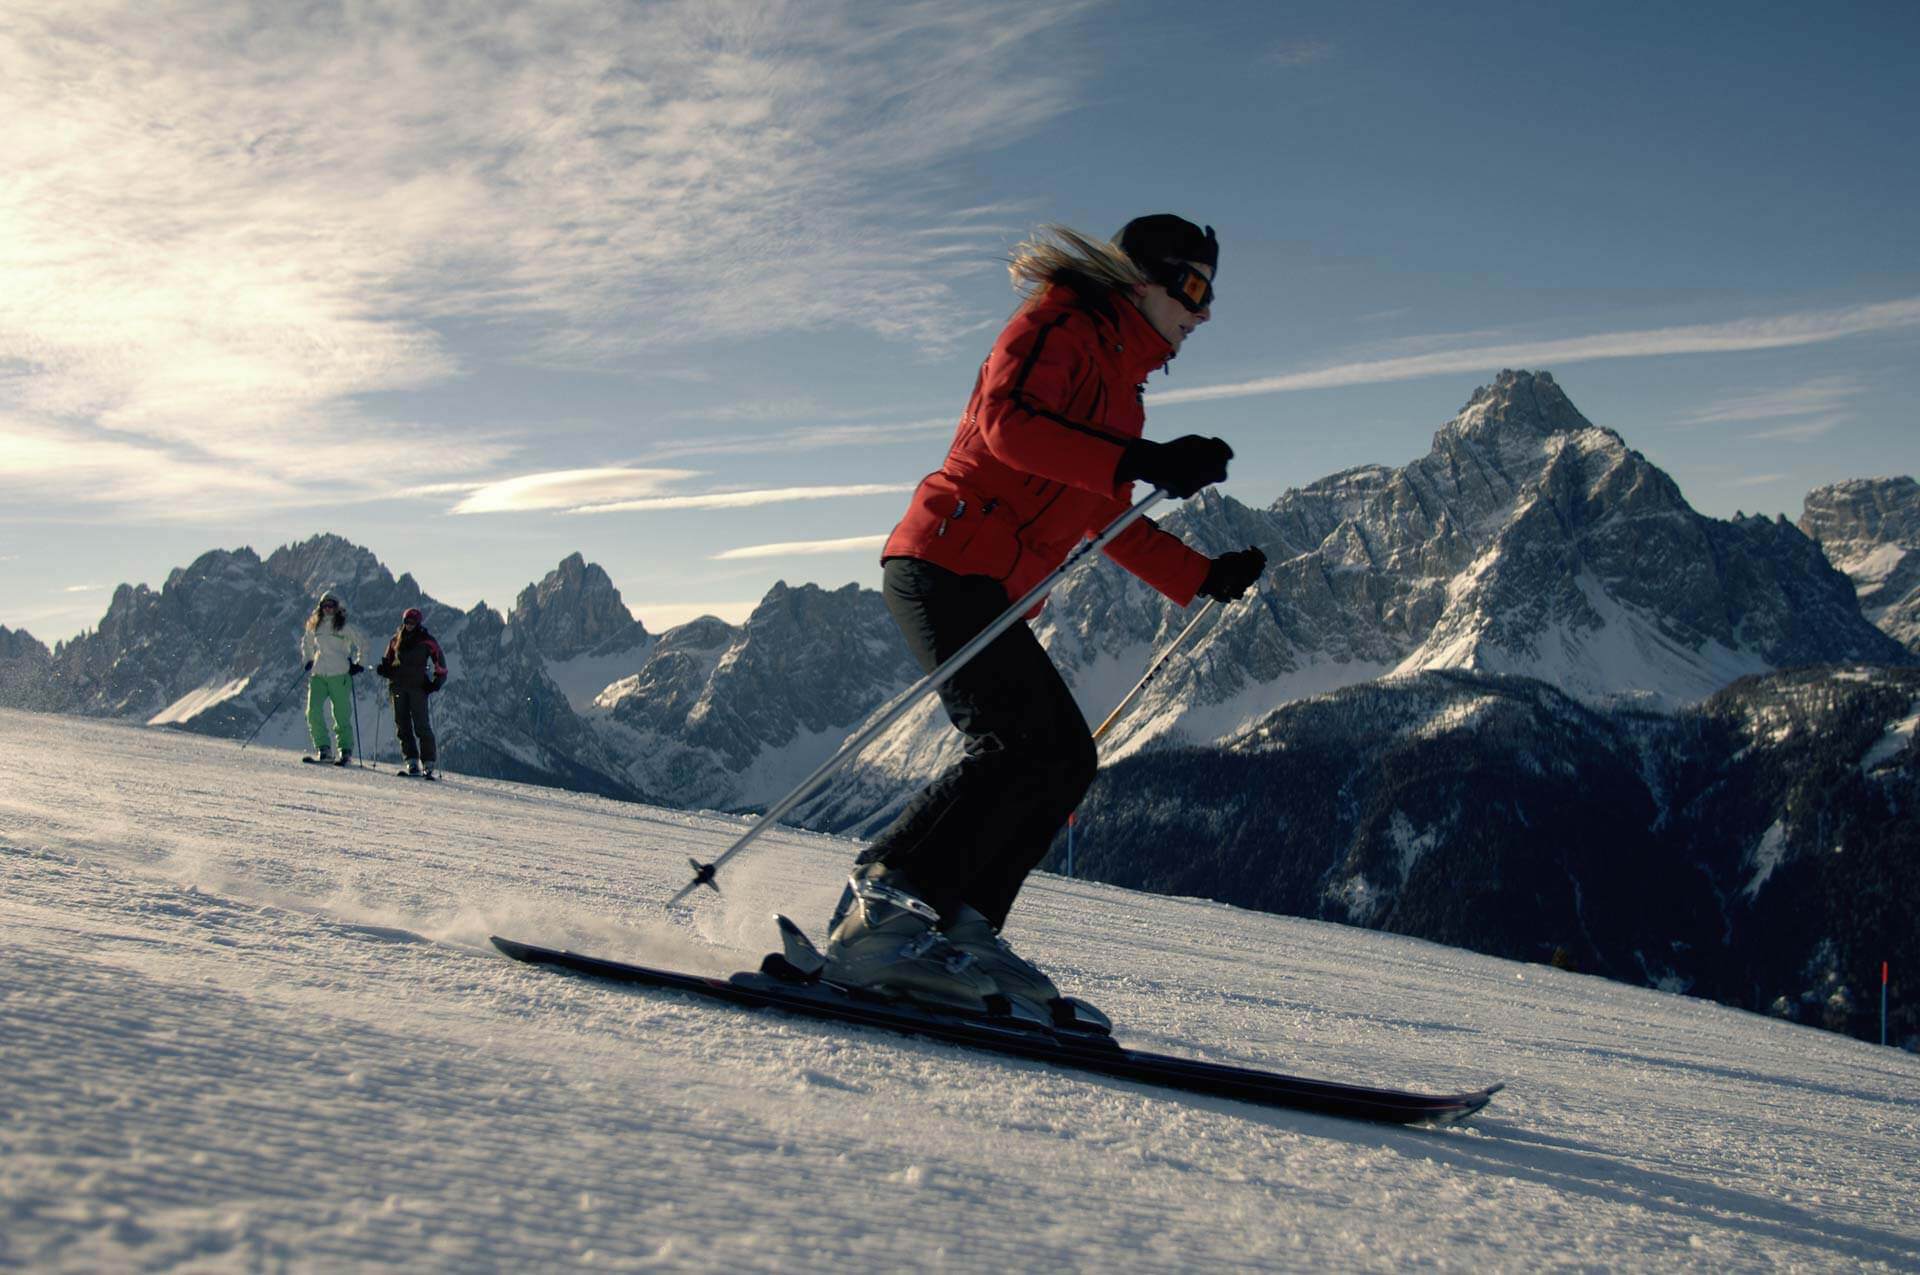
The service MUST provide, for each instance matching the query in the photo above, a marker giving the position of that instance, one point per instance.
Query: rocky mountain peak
(1526, 405)
(333, 562)
(1876, 510)
(575, 610)
(1870, 529)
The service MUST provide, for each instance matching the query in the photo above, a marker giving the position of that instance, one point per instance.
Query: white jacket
(331, 649)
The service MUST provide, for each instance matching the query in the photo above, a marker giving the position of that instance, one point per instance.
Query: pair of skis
(1079, 1042)
(398, 774)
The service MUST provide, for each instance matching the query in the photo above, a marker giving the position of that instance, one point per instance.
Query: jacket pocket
(980, 535)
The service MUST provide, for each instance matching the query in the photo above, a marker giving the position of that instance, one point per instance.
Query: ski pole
(703, 872)
(270, 712)
(1153, 671)
(1126, 702)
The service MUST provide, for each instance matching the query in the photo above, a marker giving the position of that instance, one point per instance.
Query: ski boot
(428, 772)
(322, 756)
(413, 765)
(886, 943)
(346, 757)
(1025, 984)
(1019, 979)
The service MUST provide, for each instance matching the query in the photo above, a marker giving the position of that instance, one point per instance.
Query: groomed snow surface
(249, 1021)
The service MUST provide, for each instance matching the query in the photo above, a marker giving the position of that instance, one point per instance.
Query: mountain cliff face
(1870, 528)
(576, 611)
(1528, 541)
(1762, 847)
(26, 672)
(733, 718)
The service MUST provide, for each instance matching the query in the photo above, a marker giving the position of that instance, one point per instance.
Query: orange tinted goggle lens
(1187, 286)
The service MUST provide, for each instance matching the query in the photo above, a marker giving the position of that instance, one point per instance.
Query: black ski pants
(414, 724)
(974, 833)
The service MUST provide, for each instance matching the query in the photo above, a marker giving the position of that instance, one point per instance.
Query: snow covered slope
(248, 1021)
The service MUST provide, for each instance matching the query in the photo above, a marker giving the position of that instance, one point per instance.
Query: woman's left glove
(1230, 575)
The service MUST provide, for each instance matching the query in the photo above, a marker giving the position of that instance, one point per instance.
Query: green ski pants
(339, 690)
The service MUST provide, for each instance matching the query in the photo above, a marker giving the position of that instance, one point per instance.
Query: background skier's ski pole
(703, 872)
(269, 717)
(1153, 671)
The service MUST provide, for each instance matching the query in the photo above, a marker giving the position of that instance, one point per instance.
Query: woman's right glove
(1179, 468)
(1230, 575)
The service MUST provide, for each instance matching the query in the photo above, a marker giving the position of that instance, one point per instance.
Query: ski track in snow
(248, 1021)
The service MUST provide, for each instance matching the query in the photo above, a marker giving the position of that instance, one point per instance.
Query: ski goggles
(1184, 284)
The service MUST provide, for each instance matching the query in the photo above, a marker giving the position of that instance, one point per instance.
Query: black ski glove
(309, 666)
(1179, 468)
(1231, 574)
(355, 670)
(384, 669)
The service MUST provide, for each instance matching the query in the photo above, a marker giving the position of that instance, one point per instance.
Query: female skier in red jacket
(1046, 454)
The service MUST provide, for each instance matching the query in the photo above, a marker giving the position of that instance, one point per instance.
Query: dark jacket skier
(415, 668)
(1045, 455)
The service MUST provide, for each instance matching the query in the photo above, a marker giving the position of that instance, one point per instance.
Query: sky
(699, 289)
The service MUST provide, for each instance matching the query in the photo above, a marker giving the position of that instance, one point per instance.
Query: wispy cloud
(1756, 480)
(744, 499)
(1805, 432)
(1300, 53)
(802, 548)
(568, 489)
(1825, 395)
(1807, 328)
(83, 588)
(802, 438)
(225, 226)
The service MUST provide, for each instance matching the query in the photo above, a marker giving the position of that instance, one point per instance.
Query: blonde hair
(1056, 250)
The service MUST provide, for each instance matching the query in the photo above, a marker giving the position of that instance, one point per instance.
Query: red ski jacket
(1031, 469)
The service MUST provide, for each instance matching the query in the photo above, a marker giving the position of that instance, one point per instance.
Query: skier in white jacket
(333, 650)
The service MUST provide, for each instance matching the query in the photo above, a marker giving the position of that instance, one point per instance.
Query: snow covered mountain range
(1527, 542)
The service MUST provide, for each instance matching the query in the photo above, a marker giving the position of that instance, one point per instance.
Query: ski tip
(518, 951)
